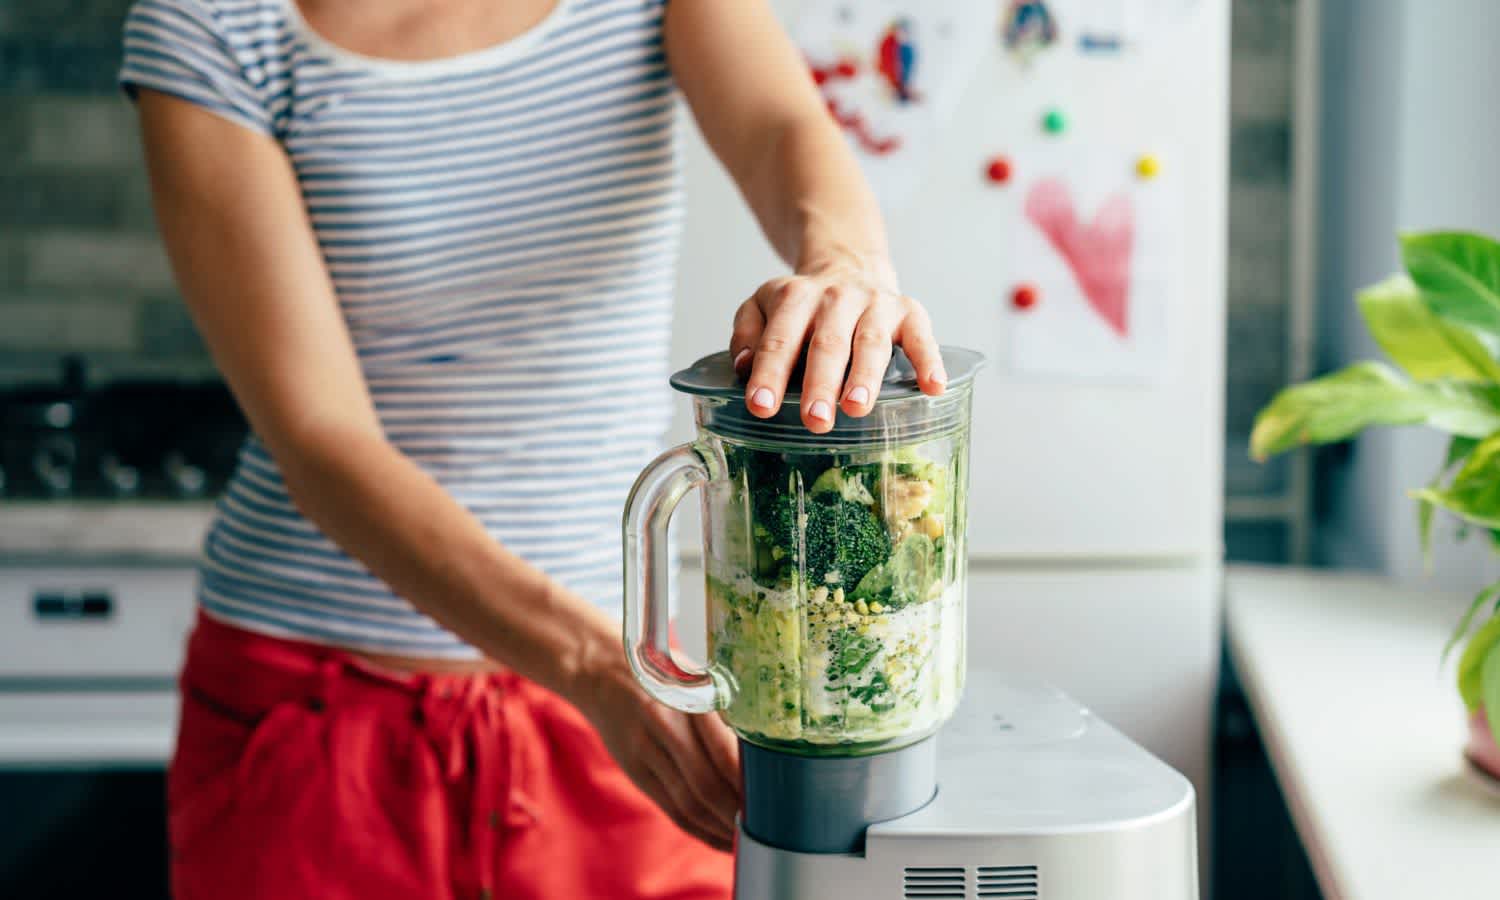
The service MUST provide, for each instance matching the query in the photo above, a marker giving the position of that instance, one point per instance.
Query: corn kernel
(838, 595)
(877, 607)
(862, 607)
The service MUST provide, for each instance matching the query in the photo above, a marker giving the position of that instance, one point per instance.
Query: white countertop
(1365, 732)
(161, 531)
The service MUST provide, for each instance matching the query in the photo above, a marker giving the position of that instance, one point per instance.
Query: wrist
(821, 258)
(596, 669)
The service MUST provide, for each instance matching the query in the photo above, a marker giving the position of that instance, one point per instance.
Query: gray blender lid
(714, 377)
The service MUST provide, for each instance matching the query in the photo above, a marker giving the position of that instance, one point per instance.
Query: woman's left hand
(843, 308)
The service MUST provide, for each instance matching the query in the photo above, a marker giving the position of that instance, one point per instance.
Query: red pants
(302, 772)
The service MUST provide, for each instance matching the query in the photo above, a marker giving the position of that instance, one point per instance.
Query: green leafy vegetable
(1338, 406)
(1425, 346)
(849, 653)
(903, 578)
(1459, 276)
(877, 694)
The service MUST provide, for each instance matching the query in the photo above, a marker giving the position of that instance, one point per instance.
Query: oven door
(88, 661)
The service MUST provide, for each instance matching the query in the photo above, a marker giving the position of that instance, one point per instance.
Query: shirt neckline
(506, 50)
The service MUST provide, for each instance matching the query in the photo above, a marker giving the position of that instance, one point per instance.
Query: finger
(780, 345)
(872, 355)
(688, 811)
(719, 743)
(749, 321)
(714, 795)
(922, 348)
(652, 786)
(828, 355)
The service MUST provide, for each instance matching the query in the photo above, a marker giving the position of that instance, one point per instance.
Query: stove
(123, 440)
(106, 491)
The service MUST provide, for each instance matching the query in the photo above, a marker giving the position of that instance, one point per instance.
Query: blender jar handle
(652, 501)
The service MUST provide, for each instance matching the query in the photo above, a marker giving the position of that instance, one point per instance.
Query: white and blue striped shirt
(501, 229)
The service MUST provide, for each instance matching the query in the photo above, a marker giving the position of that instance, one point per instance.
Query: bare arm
(756, 105)
(247, 262)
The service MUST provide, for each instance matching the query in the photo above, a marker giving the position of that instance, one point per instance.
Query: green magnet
(1054, 122)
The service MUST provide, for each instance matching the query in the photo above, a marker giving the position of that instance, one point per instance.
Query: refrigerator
(1095, 495)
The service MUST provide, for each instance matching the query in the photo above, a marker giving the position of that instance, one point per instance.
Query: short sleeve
(178, 47)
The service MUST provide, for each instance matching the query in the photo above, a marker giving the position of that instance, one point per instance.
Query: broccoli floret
(844, 539)
(842, 536)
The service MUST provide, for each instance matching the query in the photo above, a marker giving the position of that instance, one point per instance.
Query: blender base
(1036, 799)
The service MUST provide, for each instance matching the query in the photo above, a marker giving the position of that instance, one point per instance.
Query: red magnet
(999, 170)
(1024, 296)
(846, 68)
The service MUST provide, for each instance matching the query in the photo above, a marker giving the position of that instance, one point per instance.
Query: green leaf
(1338, 406)
(1458, 449)
(1474, 493)
(902, 579)
(1458, 274)
(1471, 664)
(1424, 345)
(1480, 599)
(1489, 690)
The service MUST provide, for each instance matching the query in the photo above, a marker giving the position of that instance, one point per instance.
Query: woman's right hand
(688, 764)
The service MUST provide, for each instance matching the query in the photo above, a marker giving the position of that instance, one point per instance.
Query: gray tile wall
(81, 270)
(1259, 218)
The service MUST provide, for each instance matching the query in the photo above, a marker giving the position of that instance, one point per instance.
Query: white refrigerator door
(1063, 466)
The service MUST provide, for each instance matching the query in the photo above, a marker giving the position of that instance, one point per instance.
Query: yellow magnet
(1147, 166)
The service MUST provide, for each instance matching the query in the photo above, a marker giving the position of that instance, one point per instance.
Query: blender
(836, 582)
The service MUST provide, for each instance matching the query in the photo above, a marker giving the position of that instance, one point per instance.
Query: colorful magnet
(846, 68)
(1024, 296)
(1027, 28)
(1147, 166)
(1054, 122)
(998, 171)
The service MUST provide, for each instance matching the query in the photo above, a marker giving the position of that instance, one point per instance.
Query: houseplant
(1439, 323)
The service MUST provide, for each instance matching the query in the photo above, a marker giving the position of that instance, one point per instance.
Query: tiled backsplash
(81, 270)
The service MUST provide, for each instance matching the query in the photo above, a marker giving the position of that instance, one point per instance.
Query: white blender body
(1037, 800)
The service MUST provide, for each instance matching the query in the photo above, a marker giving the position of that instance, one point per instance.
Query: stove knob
(123, 480)
(53, 465)
(187, 480)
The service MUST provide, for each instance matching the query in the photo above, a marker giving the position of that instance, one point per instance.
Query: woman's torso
(500, 228)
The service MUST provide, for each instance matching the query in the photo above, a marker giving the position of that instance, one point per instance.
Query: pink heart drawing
(1098, 252)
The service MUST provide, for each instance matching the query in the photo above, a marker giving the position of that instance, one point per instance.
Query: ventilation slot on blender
(1010, 882)
(935, 883)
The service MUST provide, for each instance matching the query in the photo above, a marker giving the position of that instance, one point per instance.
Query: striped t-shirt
(501, 230)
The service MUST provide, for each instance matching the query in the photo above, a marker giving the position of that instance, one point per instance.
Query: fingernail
(762, 398)
(819, 410)
(938, 377)
(859, 394)
(740, 357)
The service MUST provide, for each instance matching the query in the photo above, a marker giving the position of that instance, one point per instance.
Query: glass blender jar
(835, 565)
